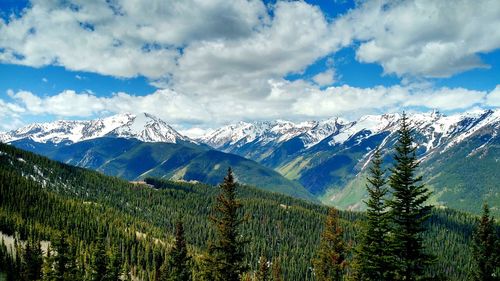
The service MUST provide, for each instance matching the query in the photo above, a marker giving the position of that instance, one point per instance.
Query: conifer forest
(60, 222)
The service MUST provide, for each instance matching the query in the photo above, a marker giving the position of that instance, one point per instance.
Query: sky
(200, 64)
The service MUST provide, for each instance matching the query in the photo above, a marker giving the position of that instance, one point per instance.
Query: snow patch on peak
(372, 123)
(145, 127)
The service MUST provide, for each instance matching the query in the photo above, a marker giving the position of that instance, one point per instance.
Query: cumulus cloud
(494, 97)
(122, 38)
(217, 61)
(298, 100)
(230, 45)
(424, 37)
(325, 78)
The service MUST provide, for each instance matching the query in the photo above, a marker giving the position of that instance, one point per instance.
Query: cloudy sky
(203, 63)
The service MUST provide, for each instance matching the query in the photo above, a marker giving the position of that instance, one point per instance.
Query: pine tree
(263, 273)
(99, 258)
(277, 272)
(178, 262)
(114, 267)
(32, 261)
(226, 254)
(409, 211)
(64, 260)
(47, 269)
(486, 249)
(374, 259)
(330, 263)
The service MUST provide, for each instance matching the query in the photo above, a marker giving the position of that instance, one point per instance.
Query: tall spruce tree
(409, 210)
(486, 249)
(226, 253)
(114, 267)
(62, 257)
(330, 263)
(47, 268)
(32, 261)
(64, 260)
(178, 262)
(99, 258)
(374, 258)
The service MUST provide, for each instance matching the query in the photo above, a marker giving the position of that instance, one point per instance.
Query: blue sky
(208, 63)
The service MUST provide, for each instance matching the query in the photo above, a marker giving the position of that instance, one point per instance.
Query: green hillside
(132, 159)
(42, 197)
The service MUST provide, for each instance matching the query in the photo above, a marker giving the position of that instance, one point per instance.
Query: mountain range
(323, 160)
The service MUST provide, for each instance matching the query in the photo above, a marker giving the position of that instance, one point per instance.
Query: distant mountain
(460, 154)
(260, 139)
(327, 160)
(144, 127)
(133, 159)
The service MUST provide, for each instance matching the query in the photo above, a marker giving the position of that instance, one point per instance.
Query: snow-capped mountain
(458, 153)
(258, 139)
(328, 160)
(144, 127)
(437, 129)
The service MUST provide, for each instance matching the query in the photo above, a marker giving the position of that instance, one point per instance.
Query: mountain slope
(144, 127)
(133, 159)
(459, 156)
(41, 197)
(259, 140)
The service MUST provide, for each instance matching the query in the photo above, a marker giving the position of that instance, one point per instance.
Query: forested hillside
(131, 159)
(43, 198)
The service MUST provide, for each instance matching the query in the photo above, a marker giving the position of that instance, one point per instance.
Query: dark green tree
(114, 268)
(64, 259)
(99, 258)
(409, 210)
(374, 258)
(263, 272)
(330, 263)
(226, 253)
(486, 248)
(47, 268)
(32, 261)
(178, 261)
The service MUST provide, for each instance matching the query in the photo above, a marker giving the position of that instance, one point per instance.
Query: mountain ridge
(329, 158)
(145, 127)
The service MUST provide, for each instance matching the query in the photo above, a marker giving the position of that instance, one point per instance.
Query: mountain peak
(144, 127)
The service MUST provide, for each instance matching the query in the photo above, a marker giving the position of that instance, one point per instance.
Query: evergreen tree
(330, 263)
(32, 261)
(226, 254)
(277, 271)
(47, 269)
(114, 267)
(486, 249)
(64, 259)
(409, 211)
(99, 258)
(178, 262)
(373, 254)
(263, 272)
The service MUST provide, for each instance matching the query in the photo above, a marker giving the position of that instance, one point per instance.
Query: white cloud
(325, 78)
(196, 132)
(424, 37)
(225, 60)
(67, 103)
(494, 97)
(298, 100)
(122, 38)
(297, 35)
